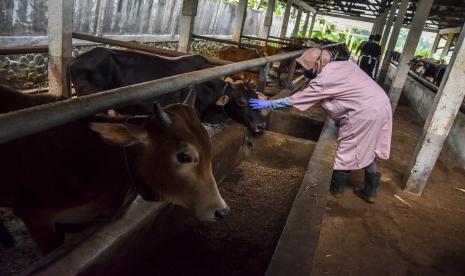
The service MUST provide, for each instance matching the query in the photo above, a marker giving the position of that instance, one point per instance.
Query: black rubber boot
(368, 193)
(338, 182)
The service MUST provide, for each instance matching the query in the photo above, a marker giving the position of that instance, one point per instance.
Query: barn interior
(283, 220)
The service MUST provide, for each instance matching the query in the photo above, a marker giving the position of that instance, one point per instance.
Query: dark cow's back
(103, 69)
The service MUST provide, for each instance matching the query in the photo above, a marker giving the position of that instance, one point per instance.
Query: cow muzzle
(221, 213)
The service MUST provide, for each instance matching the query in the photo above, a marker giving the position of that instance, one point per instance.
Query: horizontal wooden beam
(364, 19)
(450, 30)
(304, 5)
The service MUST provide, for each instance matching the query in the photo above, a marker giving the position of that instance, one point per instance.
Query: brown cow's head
(170, 159)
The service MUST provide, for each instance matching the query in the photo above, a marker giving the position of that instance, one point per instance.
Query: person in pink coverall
(357, 104)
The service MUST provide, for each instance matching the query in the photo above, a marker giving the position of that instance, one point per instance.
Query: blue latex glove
(259, 104)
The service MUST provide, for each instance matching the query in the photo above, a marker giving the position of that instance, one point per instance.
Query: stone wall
(30, 70)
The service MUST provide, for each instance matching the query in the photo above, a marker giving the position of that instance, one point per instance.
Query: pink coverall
(361, 107)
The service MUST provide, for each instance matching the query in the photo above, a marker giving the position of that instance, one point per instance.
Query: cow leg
(42, 228)
(6, 239)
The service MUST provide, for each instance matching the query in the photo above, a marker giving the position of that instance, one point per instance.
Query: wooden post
(307, 19)
(393, 41)
(389, 22)
(186, 25)
(287, 13)
(435, 44)
(239, 20)
(450, 39)
(290, 73)
(60, 45)
(264, 70)
(268, 20)
(349, 32)
(351, 43)
(439, 122)
(297, 22)
(418, 22)
(312, 25)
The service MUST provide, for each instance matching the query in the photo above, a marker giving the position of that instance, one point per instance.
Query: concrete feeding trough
(146, 237)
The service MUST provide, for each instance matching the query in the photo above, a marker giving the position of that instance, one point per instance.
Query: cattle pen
(272, 169)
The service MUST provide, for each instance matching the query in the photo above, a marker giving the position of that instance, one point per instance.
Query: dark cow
(69, 175)
(102, 69)
(427, 68)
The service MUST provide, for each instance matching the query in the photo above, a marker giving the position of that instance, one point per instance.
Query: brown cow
(267, 51)
(240, 54)
(71, 174)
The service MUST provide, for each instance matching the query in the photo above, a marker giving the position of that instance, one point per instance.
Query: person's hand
(259, 104)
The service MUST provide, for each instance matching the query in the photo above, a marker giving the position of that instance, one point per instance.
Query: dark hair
(371, 37)
(377, 37)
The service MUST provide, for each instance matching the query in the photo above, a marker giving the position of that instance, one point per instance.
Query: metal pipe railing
(226, 41)
(144, 48)
(28, 121)
(266, 40)
(23, 50)
(280, 38)
(128, 44)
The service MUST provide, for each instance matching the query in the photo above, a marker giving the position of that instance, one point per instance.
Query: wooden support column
(264, 70)
(297, 22)
(393, 41)
(60, 45)
(450, 39)
(268, 20)
(286, 15)
(418, 22)
(435, 44)
(239, 20)
(379, 23)
(390, 20)
(186, 25)
(307, 18)
(439, 122)
(312, 25)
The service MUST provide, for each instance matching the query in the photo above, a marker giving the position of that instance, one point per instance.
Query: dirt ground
(14, 260)
(260, 198)
(390, 237)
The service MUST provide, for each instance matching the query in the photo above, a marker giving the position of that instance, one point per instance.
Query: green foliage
(423, 52)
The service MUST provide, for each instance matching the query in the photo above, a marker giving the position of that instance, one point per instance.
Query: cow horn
(161, 116)
(190, 98)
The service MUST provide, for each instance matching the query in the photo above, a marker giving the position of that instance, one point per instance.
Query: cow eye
(184, 158)
(243, 102)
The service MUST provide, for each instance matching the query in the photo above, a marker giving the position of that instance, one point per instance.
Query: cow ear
(190, 98)
(120, 135)
(261, 96)
(223, 100)
(229, 80)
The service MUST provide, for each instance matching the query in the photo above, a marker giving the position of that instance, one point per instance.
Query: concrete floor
(390, 237)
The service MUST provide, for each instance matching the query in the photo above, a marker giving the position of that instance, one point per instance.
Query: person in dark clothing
(370, 55)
